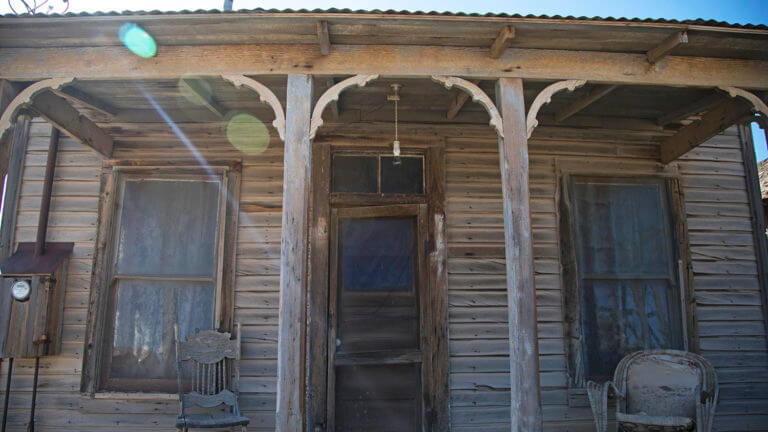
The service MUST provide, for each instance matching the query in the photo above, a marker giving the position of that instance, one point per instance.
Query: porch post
(525, 398)
(293, 254)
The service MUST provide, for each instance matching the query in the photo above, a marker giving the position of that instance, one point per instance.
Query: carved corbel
(265, 95)
(25, 98)
(545, 97)
(332, 94)
(758, 105)
(478, 95)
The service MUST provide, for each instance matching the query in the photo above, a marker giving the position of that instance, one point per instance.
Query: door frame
(435, 365)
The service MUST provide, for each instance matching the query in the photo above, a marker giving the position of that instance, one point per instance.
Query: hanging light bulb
(395, 96)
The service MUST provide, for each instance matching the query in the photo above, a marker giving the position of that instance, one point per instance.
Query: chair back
(664, 382)
(208, 366)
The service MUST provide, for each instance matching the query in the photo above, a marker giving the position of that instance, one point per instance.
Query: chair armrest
(598, 401)
(705, 410)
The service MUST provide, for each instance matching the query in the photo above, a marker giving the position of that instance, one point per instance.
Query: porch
(493, 193)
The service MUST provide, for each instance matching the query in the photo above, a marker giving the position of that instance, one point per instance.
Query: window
(370, 174)
(163, 265)
(626, 271)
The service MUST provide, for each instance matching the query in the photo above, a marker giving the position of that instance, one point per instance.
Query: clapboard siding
(729, 309)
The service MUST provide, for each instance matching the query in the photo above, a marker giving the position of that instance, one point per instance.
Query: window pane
(621, 229)
(146, 311)
(355, 174)
(168, 228)
(621, 317)
(378, 303)
(405, 178)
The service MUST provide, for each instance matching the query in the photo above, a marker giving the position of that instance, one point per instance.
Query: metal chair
(658, 391)
(212, 361)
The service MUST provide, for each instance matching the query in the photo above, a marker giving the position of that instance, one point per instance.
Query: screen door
(375, 348)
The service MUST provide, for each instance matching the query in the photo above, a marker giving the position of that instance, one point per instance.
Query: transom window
(165, 269)
(382, 174)
(626, 260)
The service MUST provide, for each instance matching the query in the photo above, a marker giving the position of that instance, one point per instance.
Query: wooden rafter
(393, 60)
(88, 100)
(682, 113)
(458, 102)
(478, 95)
(502, 42)
(579, 104)
(716, 120)
(333, 105)
(61, 114)
(323, 39)
(666, 46)
(201, 96)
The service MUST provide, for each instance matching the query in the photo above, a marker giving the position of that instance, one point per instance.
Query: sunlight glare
(247, 134)
(137, 40)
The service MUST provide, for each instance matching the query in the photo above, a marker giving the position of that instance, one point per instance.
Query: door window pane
(378, 301)
(627, 271)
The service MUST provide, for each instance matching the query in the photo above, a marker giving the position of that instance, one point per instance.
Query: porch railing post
(293, 254)
(525, 397)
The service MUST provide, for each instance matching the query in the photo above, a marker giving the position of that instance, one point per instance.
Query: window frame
(100, 324)
(378, 198)
(575, 343)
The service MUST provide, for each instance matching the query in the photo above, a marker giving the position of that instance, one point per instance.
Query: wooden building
(569, 190)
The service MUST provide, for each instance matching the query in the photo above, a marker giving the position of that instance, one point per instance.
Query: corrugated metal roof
(697, 22)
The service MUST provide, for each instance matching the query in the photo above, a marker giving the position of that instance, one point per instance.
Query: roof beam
(458, 102)
(502, 42)
(89, 101)
(61, 114)
(579, 104)
(392, 60)
(682, 113)
(716, 120)
(323, 38)
(201, 96)
(7, 92)
(665, 47)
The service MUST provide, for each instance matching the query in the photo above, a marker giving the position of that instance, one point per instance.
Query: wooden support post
(665, 47)
(525, 397)
(65, 117)
(716, 120)
(579, 104)
(323, 38)
(16, 158)
(502, 42)
(756, 210)
(293, 254)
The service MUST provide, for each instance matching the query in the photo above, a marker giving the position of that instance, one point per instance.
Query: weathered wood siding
(731, 327)
(731, 330)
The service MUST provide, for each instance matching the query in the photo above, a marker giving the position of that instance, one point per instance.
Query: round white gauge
(20, 290)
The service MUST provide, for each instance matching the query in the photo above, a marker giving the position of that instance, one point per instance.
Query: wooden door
(376, 343)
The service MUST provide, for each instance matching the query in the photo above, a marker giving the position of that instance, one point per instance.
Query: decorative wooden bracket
(332, 94)
(265, 95)
(25, 98)
(545, 97)
(478, 95)
(758, 105)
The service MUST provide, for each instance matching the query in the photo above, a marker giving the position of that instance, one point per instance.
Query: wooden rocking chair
(658, 391)
(213, 360)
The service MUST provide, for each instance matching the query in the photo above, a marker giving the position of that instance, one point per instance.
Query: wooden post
(525, 398)
(293, 254)
(15, 169)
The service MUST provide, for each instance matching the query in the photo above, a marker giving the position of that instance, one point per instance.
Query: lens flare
(247, 134)
(137, 40)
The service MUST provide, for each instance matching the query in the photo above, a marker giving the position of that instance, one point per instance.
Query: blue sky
(733, 11)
